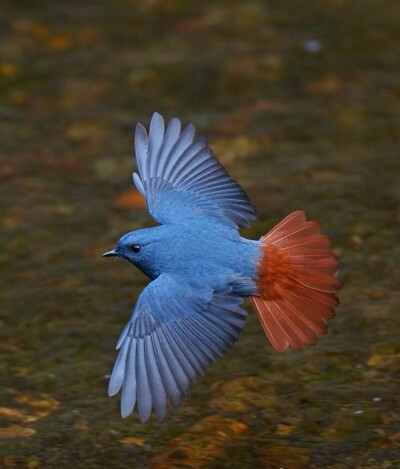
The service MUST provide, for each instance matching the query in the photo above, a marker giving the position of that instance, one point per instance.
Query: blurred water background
(300, 100)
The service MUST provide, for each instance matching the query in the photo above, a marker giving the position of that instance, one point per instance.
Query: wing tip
(140, 131)
(112, 390)
(157, 120)
(138, 184)
(144, 410)
(125, 414)
(128, 403)
(156, 115)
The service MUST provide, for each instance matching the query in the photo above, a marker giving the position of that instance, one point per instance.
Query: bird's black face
(128, 250)
(118, 252)
(132, 252)
(137, 249)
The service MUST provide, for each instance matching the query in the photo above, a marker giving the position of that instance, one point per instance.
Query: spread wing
(174, 334)
(180, 176)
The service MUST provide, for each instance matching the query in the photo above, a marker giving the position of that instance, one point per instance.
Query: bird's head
(140, 248)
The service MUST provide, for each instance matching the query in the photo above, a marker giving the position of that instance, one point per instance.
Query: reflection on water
(300, 101)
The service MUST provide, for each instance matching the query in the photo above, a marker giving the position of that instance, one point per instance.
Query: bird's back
(202, 251)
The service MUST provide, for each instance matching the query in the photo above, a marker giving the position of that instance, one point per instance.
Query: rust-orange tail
(297, 283)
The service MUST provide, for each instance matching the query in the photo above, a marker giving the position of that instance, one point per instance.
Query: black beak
(110, 254)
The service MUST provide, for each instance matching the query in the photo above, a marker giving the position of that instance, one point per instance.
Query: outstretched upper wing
(174, 334)
(180, 177)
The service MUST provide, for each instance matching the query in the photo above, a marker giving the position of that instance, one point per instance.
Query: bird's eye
(135, 248)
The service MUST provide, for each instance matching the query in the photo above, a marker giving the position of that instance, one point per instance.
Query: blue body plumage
(200, 270)
(200, 250)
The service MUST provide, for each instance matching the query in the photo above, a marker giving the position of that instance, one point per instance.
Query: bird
(201, 269)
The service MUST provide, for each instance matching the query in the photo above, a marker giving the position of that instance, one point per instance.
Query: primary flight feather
(201, 269)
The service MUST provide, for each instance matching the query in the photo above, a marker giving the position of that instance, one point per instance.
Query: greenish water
(301, 102)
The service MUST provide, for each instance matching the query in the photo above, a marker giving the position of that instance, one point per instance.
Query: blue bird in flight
(201, 268)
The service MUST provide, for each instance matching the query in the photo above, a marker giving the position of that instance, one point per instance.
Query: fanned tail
(297, 283)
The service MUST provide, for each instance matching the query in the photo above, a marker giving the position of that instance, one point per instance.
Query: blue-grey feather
(144, 401)
(138, 184)
(181, 378)
(231, 324)
(156, 135)
(186, 156)
(155, 381)
(198, 356)
(141, 150)
(242, 211)
(123, 335)
(215, 176)
(182, 144)
(170, 385)
(118, 373)
(183, 352)
(197, 180)
(128, 396)
(171, 136)
(215, 186)
(230, 330)
(199, 161)
(214, 343)
(177, 351)
(212, 329)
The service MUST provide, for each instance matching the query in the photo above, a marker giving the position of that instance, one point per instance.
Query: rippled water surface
(301, 103)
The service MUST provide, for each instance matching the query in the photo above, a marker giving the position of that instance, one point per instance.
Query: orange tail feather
(297, 283)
